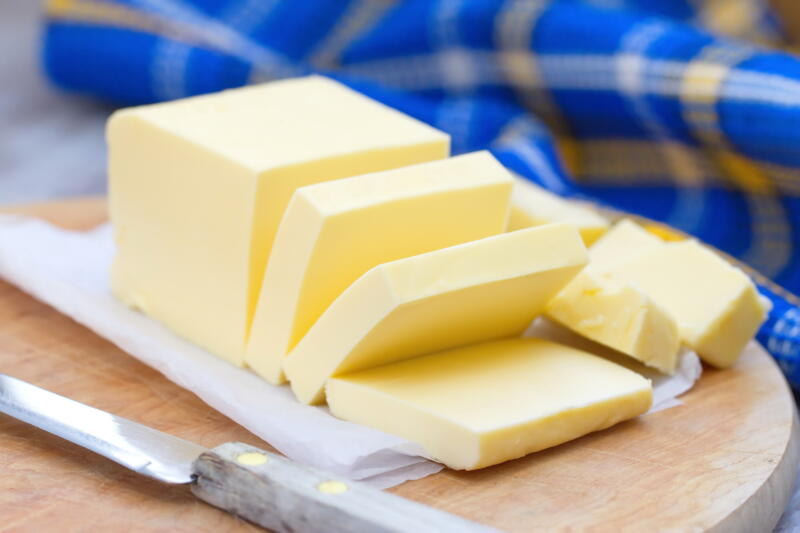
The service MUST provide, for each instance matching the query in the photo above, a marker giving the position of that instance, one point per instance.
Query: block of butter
(532, 205)
(198, 188)
(483, 404)
(472, 292)
(620, 316)
(625, 240)
(716, 306)
(336, 231)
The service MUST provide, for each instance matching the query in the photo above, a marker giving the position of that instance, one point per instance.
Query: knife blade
(264, 488)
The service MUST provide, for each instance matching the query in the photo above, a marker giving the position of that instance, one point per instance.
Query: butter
(716, 306)
(335, 232)
(623, 242)
(532, 205)
(468, 293)
(483, 404)
(619, 316)
(613, 312)
(199, 186)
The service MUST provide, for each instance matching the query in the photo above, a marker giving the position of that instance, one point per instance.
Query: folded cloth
(673, 109)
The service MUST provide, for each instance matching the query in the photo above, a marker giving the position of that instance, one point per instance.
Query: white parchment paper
(69, 271)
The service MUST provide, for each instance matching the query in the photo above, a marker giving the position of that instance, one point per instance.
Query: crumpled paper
(69, 271)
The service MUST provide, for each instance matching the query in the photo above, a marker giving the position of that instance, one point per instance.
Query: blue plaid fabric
(684, 111)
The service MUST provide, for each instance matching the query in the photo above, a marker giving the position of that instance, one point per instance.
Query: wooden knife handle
(278, 494)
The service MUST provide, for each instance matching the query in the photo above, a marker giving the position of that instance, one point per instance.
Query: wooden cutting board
(723, 461)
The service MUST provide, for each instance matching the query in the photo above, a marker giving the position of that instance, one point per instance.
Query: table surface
(723, 461)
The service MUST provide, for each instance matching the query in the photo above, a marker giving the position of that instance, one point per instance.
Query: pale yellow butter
(613, 312)
(716, 306)
(532, 205)
(480, 405)
(624, 241)
(334, 232)
(619, 316)
(472, 292)
(199, 186)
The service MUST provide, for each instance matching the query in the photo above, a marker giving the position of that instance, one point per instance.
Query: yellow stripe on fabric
(99, 12)
(106, 14)
(569, 152)
(359, 16)
(737, 18)
(676, 165)
(513, 34)
(704, 78)
(786, 179)
(642, 161)
(729, 17)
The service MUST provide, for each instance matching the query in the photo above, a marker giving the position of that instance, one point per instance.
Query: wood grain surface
(723, 461)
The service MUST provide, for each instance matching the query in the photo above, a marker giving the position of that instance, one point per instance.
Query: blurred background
(51, 144)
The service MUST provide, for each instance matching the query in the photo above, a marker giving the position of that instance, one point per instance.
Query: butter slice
(483, 404)
(717, 307)
(468, 293)
(334, 232)
(532, 205)
(198, 187)
(620, 316)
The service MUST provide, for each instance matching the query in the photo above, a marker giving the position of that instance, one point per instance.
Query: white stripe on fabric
(455, 117)
(689, 207)
(168, 69)
(782, 339)
(246, 15)
(517, 137)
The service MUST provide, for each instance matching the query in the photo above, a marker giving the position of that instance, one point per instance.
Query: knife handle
(278, 494)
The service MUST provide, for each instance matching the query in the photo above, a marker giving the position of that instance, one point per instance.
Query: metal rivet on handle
(251, 458)
(332, 487)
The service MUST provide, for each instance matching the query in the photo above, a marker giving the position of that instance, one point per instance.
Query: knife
(259, 486)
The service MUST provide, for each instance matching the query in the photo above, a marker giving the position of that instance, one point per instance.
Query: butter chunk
(624, 241)
(532, 205)
(615, 313)
(198, 187)
(619, 316)
(483, 404)
(716, 306)
(472, 292)
(335, 232)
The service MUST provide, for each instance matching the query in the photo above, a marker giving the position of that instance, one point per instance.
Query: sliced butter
(468, 293)
(480, 405)
(198, 187)
(334, 232)
(532, 205)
